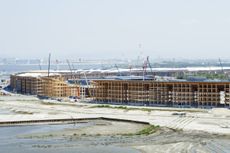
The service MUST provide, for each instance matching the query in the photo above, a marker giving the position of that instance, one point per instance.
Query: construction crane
(222, 69)
(148, 62)
(71, 72)
(144, 67)
(209, 67)
(73, 68)
(140, 56)
(86, 80)
(118, 70)
(74, 72)
(40, 68)
(57, 66)
(130, 69)
(49, 64)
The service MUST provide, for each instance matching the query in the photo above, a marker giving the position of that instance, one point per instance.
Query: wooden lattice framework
(140, 92)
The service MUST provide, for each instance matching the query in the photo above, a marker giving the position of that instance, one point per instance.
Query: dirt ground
(198, 130)
(164, 140)
(28, 108)
(94, 128)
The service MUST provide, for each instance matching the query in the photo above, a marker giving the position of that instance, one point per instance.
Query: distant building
(34, 61)
(21, 61)
(9, 61)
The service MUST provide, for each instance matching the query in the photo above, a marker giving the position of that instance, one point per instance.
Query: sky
(115, 28)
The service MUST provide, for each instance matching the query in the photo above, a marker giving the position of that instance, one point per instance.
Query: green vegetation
(121, 107)
(214, 76)
(150, 129)
(210, 76)
(23, 112)
(147, 109)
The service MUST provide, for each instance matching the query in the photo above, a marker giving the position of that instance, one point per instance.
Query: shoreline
(65, 121)
(79, 126)
(21, 108)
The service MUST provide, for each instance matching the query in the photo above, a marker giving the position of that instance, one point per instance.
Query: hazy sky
(115, 28)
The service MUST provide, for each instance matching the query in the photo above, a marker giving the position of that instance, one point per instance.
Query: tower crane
(222, 69)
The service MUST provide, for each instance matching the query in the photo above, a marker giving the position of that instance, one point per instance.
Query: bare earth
(203, 130)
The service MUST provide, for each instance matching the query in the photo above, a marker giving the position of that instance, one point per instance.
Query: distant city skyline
(115, 29)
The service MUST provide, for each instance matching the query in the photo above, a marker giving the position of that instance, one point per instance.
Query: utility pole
(49, 65)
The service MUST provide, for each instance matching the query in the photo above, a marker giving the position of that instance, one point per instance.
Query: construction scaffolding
(52, 86)
(120, 91)
(155, 93)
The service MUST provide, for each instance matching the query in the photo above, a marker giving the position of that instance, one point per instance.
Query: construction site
(156, 93)
(185, 87)
(133, 90)
(42, 85)
(171, 100)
